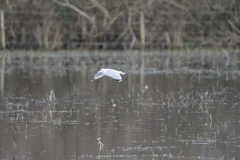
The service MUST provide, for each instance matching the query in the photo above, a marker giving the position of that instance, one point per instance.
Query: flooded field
(168, 106)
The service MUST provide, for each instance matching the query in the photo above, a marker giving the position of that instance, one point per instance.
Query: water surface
(50, 109)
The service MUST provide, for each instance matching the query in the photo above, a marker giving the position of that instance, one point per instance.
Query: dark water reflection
(154, 116)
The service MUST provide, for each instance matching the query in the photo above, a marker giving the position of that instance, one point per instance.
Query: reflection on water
(58, 113)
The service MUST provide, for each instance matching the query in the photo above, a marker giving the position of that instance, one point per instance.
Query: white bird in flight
(111, 73)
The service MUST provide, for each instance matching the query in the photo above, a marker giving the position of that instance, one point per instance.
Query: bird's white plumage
(111, 73)
(98, 75)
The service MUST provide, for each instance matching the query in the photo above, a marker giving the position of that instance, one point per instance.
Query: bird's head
(120, 72)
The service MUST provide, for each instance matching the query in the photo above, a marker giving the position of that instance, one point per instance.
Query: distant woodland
(121, 24)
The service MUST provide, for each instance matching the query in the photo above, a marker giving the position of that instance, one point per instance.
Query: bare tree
(60, 24)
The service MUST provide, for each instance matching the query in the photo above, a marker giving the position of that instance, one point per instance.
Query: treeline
(116, 24)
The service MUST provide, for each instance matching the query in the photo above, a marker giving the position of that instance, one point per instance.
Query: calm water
(52, 110)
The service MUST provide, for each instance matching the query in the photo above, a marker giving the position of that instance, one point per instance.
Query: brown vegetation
(107, 24)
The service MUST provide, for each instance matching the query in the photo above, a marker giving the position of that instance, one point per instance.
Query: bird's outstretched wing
(115, 75)
(98, 75)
